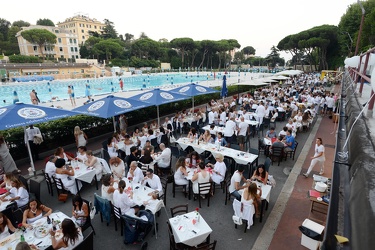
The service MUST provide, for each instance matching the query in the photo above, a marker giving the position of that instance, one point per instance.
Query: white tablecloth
(186, 232)
(249, 122)
(215, 130)
(82, 173)
(3, 204)
(140, 192)
(14, 239)
(229, 152)
(267, 141)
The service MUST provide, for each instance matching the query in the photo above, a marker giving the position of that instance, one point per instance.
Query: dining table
(238, 156)
(140, 191)
(248, 122)
(37, 235)
(83, 173)
(190, 229)
(215, 130)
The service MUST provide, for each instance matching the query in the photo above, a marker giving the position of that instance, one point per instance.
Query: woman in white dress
(5, 226)
(107, 187)
(80, 137)
(218, 170)
(18, 193)
(6, 159)
(201, 176)
(93, 162)
(60, 153)
(71, 238)
(122, 200)
(80, 211)
(181, 173)
(81, 154)
(117, 167)
(34, 212)
(66, 176)
(112, 147)
(251, 196)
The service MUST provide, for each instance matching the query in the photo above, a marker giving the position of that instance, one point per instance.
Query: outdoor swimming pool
(58, 89)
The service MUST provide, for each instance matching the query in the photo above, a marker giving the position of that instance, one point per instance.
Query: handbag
(92, 211)
(237, 220)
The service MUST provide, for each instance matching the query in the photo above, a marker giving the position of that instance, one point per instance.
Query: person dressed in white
(67, 176)
(93, 162)
(235, 183)
(201, 176)
(117, 167)
(219, 169)
(261, 112)
(153, 181)
(17, 193)
(135, 172)
(181, 172)
(122, 200)
(211, 117)
(50, 166)
(229, 130)
(81, 154)
(242, 131)
(164, 159)
(223, 118)
(318, 158)
(31, 133)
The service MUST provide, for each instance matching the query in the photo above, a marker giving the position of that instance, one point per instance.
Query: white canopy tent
(291, 72)
(255, 82)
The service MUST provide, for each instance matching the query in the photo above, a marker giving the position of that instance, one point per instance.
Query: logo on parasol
(122, 104)
(166, 95)
(184, 89)
(200, 89)
(95, 106)
(146, 96)
(31, 113)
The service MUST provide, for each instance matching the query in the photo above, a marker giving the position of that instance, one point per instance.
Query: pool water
(58, 89)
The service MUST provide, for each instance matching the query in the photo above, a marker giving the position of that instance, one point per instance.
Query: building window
(90, 26)
(57, 31)
(79, 25)
(35, 48)
(82, 71)
(59, 39)
(83, 37)
(82, 31)
(77, 56)
(70, 40)
(95, 27)
(61, 49)
(75, 49)
(71, 49)
(61, 56)
(87, 25)
(75, 40)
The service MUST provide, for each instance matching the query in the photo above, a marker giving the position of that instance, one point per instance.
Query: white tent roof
(255, 82)
(290, 72)
(279, 77)
(268, 79)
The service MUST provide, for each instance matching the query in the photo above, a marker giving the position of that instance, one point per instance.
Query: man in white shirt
(30, 134)
(223, 118)
(142, 140)
(211, 117)
(229, 130)
(164, 159)
(242, 131)
(50, 167)
(261, 112)
(235, 183)
(153, 181)
(167, 121)
(135, 172)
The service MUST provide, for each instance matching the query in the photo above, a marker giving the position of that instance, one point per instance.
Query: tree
(84, 52)
(20, 24)
(41, 37)
(273, 58)
(45, 22)
(239, 57)
(146, 48)
(4, 28)
(143, 35)
(109, 30)
(206, 47)
(183, 45)
(128, 37)
(248, 50)
(107, 48)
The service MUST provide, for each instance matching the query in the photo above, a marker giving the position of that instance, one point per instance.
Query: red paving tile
(287, 234)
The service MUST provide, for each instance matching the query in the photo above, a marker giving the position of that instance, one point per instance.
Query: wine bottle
(48, 220)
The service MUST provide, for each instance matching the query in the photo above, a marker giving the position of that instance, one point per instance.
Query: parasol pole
(114, 124)
(157, 110)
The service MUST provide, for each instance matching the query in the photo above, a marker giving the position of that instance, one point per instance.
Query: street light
(360, 26)
(351, 42)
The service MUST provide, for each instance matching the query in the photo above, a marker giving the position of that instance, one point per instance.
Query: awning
(46, 70)
(30, 70)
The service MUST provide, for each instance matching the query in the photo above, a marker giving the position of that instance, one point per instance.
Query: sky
(260, 24)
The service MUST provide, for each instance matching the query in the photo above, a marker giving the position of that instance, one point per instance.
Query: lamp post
(360, 26)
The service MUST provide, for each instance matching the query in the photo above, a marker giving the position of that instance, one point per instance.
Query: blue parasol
(224, 90)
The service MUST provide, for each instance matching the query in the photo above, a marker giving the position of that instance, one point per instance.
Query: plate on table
(41, 231)
(29, 238)
(40, 222)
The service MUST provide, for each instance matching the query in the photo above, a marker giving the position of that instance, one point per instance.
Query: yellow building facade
(80, 25)
(66, 47)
